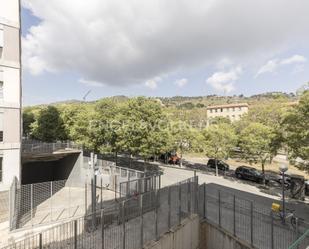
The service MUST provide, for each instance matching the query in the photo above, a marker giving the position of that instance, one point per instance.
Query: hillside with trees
(149, 127)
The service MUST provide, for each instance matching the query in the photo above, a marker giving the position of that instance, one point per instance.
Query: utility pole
(93, 164)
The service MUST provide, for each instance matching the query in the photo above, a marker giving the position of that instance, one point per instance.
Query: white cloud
(90, 83)
(120, 42)
(294, 59)
(272, 65)
(269, 67)
(181, 82)
(224, 80)
(153, 83)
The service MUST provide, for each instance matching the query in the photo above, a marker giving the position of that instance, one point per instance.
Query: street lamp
(283, 168)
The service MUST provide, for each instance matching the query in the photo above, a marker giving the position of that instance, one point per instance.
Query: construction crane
(85, 96)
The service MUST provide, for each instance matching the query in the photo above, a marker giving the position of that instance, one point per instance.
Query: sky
(162, 48)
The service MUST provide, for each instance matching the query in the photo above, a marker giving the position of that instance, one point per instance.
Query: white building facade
(10, 92)
(231, 111)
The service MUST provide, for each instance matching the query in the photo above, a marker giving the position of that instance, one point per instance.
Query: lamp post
(283, 168)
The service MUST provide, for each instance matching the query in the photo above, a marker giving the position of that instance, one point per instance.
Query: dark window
(1, 136)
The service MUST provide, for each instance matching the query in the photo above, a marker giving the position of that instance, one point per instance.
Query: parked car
(251, 174)
(220, 164)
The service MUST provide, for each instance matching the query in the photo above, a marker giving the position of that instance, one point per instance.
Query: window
(221, 109)
(210, 110)
(216, 110)
(1, 170)
(1, 126)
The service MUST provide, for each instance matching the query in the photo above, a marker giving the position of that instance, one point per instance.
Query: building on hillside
(10, 92)
(232, 111)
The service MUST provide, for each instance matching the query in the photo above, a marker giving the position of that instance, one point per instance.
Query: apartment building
(232, 111)
(10, 92)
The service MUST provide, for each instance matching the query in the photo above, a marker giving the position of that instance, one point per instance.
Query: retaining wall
(214, 237)
(184, 236)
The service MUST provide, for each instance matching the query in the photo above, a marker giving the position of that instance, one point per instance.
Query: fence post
(101, 192)
(40, 241)
(75, 234)
(51, 201)
(156, 213)
(123, 225)
(86, 206)
(169, 208)
(234, 215)
(142, 220)
(219, 207)
(297, 230)
(251, 222)
(31, 204)
(272, 230)
(179, 206)
(189, 196)
(204, 200)
(102, 227)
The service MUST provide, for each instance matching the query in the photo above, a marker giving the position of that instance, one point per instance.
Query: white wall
(10, 167)
(11, 85)
(9, 11)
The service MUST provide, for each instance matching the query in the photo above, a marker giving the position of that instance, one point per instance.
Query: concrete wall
(43, 171)
(213, 237)
(184, 236)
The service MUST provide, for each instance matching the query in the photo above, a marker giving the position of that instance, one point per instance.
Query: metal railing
(42, 147)
(247, 220)
(139, 186)
(126, 225)
(301, 242)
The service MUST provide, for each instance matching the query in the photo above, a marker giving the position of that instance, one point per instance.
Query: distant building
(10, 92)
(232, 111)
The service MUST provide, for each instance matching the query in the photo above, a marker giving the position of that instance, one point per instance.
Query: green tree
(219, 140)
(143, 127)
(49, 126)
(296, 130)
(28, 119)
(257, 144)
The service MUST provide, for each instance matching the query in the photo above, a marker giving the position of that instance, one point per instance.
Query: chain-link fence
(127, 225)
(4, 206)
(248, 220)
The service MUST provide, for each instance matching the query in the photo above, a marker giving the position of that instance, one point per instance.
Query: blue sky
(64, 55)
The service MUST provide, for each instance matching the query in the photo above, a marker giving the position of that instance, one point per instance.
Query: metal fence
(4, 206)
(248, 220)
(46, 202)
(139, 186)
(126, 225)
(29, 147)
